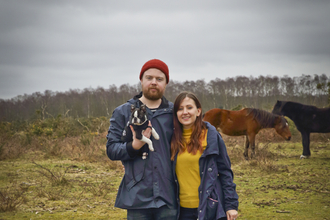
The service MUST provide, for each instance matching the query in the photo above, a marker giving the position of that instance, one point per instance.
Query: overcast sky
(62, 45)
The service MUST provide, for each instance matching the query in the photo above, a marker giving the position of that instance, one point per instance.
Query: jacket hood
(212, 136)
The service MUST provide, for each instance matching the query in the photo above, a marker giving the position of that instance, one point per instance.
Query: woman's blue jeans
(188, 214)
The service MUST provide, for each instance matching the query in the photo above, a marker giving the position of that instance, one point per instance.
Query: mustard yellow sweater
(187, 171)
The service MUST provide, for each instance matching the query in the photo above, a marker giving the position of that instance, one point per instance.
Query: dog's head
(138, 115)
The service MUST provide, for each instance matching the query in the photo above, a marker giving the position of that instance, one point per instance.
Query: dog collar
(145, 121)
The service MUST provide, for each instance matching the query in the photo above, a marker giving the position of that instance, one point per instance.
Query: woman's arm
(226, 177)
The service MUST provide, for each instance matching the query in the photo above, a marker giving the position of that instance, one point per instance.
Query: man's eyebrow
(163, 77)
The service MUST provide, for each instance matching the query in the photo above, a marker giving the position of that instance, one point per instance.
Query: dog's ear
(132, 107)
(143, 108)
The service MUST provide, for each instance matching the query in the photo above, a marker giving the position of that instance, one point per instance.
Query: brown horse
(247, 121)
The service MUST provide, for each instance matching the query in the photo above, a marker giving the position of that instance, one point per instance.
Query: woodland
(256, 92)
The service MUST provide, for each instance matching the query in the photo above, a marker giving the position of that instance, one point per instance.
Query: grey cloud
(106, 42)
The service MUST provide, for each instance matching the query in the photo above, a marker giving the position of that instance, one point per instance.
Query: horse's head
(278, 108)
(282, 127)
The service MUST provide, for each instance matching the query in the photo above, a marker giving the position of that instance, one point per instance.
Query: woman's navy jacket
(147, 183)
(217, 192)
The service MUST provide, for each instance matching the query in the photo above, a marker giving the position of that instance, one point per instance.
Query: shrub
(37, 130)
(56, 178)
(11, 197)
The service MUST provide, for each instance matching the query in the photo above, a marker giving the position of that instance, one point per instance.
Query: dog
(140, 122)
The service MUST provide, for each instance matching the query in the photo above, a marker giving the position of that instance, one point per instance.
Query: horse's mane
(265, 119)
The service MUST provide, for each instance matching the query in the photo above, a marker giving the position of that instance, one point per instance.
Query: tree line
(241, 91)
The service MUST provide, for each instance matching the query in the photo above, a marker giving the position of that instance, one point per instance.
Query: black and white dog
(139, 120)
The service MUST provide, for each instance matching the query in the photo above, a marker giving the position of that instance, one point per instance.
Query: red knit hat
(158, 64)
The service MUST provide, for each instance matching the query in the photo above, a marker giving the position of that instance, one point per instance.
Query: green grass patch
(59, 189)
(61, 171)
(282, 186)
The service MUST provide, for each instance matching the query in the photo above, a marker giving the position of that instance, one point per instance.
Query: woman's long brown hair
(198, 129)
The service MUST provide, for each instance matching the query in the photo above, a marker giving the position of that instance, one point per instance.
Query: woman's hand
(232, 214)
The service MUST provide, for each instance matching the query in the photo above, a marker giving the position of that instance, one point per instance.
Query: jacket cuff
(130, 150)
(233, 206)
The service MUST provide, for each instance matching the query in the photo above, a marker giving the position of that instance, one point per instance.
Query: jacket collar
(163, 104)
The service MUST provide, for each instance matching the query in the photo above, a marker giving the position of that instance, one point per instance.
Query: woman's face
(188, 112)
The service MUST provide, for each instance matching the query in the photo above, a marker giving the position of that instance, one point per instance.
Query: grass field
(72, 178)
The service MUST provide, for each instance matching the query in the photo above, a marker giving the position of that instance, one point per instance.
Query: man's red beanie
(157, 64)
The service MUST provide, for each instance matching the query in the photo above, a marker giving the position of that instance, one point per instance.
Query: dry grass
(46, 177)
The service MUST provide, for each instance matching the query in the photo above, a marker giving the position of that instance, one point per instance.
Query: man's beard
(152, 95)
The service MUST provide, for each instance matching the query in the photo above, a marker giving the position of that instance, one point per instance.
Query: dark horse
(307, 118)
(248, 121)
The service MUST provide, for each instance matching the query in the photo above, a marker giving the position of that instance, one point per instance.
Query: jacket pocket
(211, 205)
(133, 182)
(134, 173)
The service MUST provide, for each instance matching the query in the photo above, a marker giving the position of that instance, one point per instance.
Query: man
(147, 189)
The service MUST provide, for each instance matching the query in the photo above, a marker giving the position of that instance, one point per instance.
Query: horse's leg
(305, 141)
(247, 143)
(252, 138)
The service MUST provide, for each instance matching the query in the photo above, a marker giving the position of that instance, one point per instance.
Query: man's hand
(137, 144)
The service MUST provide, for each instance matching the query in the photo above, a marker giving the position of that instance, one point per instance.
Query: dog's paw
(144, 155)
(155, 134)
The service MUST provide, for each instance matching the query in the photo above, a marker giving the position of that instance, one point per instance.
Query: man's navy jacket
(147, 183)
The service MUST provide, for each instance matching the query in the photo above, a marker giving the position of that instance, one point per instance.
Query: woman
(202, 166)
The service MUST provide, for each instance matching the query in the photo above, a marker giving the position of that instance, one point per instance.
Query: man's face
(153, 84)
